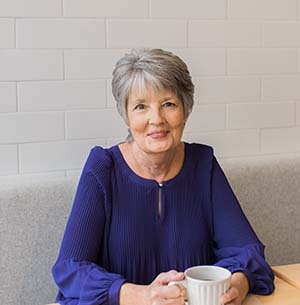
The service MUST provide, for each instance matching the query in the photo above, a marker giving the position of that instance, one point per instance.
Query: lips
(158, 134)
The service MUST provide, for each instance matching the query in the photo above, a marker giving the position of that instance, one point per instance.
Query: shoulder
(99, 161)
(200, 152)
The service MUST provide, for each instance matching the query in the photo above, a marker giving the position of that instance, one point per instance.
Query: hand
(238, 290)
(157, 293)
(160, 293)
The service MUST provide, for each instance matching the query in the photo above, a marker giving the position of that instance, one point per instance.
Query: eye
(169, 104)
(139, 107)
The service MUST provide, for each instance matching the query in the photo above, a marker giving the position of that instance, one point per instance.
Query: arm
(156, 293)
(236, 246)
(76, 272)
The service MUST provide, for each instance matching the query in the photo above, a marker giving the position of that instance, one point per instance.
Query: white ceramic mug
(205, 284)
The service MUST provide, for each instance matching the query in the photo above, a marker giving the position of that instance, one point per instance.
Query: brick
(61, 95)
(263, 9)
(30, 65)
(106, 8)
(31, 127)
(94, 124)
(206, 118)
(261, 115)
(230, 143)
(287, 87)
(224, 89)
(89, 64)
(136, 33)
(193, 9)
(203, 62)
(280, 140)
(8, 99)
(220, 34)
(261, 61)
(283, 34)
(30, 8)
(8, 159)
(60, 33)
(7, 33)
(55, 156)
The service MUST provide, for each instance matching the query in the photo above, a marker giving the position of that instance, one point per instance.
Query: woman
(147, 209)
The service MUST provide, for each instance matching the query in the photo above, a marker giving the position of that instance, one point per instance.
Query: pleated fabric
(115, 234)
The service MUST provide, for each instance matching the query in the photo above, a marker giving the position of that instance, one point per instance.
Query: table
(284, 294)
(289, 273)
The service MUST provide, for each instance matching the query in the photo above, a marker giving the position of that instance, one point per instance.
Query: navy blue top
(115, 234)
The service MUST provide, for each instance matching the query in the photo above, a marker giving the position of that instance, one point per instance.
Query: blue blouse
(115, 233)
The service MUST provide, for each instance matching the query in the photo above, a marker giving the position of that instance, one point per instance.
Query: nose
(156, 116)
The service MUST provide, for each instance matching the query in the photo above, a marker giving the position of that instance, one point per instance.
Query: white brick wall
(263, 9)
(192, 9)
(8, 97)
(222, 33)
(260, 115)
(31, 127)
(146, 33)
(60, 33)
(262, 61)
(7, 33)
(30, 65)
(106, 8)
(57, 57)
(30, 8)
(61, 95)
(237, 89)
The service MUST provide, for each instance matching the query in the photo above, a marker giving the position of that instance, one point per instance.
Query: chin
(160, 147)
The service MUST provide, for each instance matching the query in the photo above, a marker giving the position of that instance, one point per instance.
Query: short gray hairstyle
(159, 68)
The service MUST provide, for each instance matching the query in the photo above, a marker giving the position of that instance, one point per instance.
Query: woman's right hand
(157, 293)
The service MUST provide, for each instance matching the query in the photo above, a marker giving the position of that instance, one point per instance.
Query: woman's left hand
(238, 290)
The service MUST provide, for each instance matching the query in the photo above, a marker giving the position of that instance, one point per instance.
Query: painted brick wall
(57, 56)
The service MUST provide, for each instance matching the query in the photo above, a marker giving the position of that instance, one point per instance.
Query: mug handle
(183, 286)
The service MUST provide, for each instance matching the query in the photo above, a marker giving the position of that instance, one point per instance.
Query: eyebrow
(142, 100)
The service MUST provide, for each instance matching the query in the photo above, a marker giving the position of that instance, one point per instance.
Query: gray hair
(159, 68)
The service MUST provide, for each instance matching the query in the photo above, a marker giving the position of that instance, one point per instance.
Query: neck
(157, 166)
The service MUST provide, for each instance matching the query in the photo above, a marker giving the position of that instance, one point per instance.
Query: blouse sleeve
(76, 273)
(236, 245)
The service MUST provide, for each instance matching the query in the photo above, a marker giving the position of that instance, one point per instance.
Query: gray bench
(33, 216)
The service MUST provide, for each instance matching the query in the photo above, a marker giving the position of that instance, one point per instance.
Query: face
(156, 119)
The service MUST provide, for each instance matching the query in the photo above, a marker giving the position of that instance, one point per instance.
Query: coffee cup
(204, 285)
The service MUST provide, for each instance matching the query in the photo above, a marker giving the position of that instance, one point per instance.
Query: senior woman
(148, 208)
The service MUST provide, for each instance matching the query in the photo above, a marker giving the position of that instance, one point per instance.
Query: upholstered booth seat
(33, 216)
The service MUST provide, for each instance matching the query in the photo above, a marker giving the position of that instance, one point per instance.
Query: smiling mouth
(158, 134)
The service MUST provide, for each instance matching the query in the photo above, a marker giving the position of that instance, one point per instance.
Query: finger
(229, 295)
(166, 292)
(166, 277)
(176, 301)
(183, 291)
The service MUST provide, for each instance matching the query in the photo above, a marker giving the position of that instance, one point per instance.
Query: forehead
(146, 90)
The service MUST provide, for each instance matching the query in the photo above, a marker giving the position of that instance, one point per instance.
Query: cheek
(136, 124)
(178, 121)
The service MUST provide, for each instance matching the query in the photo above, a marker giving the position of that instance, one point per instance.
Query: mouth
(158, 134)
